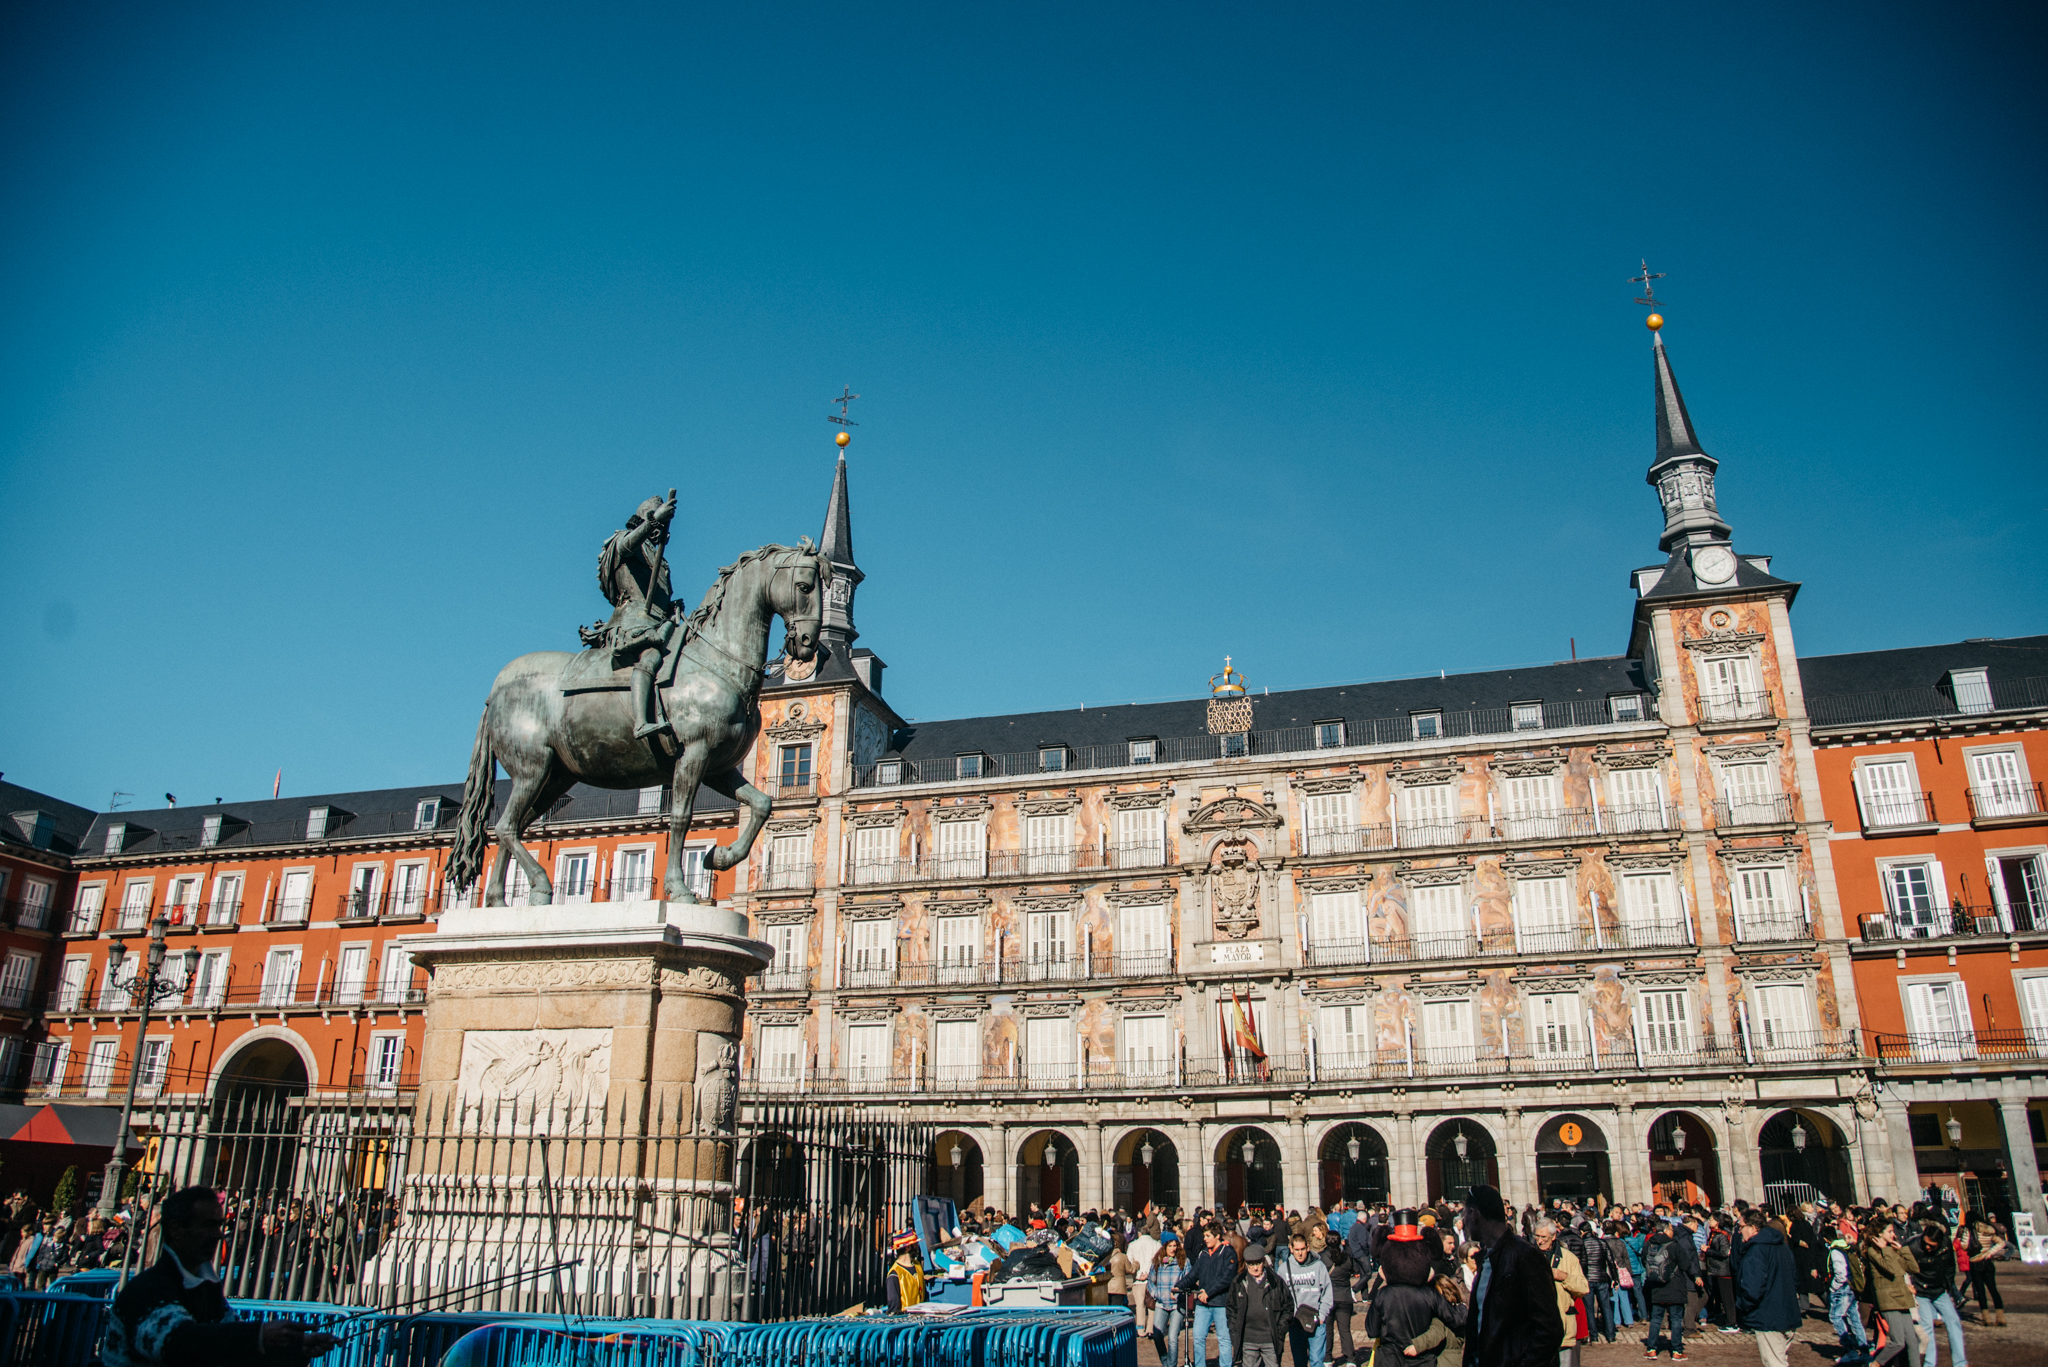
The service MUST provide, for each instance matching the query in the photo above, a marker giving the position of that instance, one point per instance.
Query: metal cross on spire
(1647, 281)
(845, 400)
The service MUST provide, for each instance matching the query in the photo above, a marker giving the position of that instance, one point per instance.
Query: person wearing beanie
(1514, 1320)
(1261, 1309)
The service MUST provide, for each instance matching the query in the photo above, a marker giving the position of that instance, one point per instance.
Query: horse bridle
(754, 672)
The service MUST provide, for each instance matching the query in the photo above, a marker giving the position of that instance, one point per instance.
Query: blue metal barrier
(52, 1329)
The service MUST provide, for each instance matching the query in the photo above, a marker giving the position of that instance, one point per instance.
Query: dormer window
(316, 823)
(427, 814)
(209, 832)
(1626, 707)
(968, 766)
(1329, 735)
(1145, 751)
(649, 802)
(1527, 716)
(1428, 725)
(889, 771)
(1233, 744)
(1052, 758)
(117, 836)
(1972, 689)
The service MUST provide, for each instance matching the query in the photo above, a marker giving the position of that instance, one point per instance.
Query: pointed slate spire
(836, 543)
(1681, 473)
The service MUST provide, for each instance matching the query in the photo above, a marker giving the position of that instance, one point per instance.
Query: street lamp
(1352, 1147)
(1677, 1138)
(1798, 1135)
(1052, 1154)
(1461, 1144)
(1145, 1151)
(1250, 1153)
(959, 1155)
(1955, 1130)
(151, 987)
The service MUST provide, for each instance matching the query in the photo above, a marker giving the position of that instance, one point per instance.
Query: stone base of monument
(578, 1078)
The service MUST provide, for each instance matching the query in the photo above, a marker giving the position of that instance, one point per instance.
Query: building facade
(39, 835)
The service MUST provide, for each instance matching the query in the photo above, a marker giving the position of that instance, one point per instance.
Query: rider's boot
(643, 702)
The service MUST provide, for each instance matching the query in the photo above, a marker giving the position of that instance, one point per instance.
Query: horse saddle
(592, 670)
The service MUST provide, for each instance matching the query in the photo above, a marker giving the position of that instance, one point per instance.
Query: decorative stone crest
(1528, 766)
(1434, 876)
(1139, 799)
(1427, 775)
(1230, 814)
(1234, 888)
(1716, 643)
(1647, 757)
(797, 724)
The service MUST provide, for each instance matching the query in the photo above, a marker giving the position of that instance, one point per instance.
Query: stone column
(1301, 1178)
(1741, 1163)
(1407, 1182)
(1089, 1161)
(1905, 1164)
(1518, 1158)
(1195, 1176)
(997, 1169)
(1628, 1156)
(2019, 1152)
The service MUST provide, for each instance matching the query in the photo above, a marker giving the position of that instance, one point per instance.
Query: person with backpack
(1889, 1265)
(1934, 1291)
(1635, 1235)
(1987, 1243)
(1843, 1281)
(1671, 1272)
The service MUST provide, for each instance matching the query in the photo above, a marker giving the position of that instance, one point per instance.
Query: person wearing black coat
(1342, 1269)
(1514, 1321)
(1260, 1307)
(1767, 1293)
(1672, 1245)
(1599, 1270)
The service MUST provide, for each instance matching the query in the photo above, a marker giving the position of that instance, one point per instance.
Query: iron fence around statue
(365, 1198)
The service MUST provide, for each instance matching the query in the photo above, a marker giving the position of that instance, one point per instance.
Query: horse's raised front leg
(532, 793)
(734, 785)
(683, 785)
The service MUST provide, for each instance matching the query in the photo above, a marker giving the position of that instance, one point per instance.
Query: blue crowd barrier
(600, 1343)
(53, 1329)
(98, 1281)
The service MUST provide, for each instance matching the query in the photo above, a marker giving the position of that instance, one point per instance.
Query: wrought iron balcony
(1956, 921)
(1735, 705)
(1751, 930)
(1960, 1046)
(1497, 944)
(1772, 810)
(1893, 813)
(2006, 803)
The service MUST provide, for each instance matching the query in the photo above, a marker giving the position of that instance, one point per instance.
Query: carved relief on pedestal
(715, 1090)
(559, 1068)
(525, 975)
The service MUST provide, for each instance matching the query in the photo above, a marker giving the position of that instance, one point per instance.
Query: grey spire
(836, 543)
(1682, 473)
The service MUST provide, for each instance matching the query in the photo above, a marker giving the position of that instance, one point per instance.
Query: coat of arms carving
(1234, 888)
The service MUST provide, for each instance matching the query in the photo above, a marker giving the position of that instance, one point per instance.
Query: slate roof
(1677, 581)
(382, 811)
(69, 821)
(2012, 661)
(1593, 680)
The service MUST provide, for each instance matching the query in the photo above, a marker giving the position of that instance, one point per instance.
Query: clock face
(1713, 565)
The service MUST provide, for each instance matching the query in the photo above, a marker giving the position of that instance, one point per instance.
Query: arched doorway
(771, 1172)
(1352, 1166)
(1804, 1155)
(1571, 1160)
(255, 1117)
(956, 1169)
(1147, 1171)
(1459, 1156)
(1683, 1163)
(1258, 1182)
(1048, 1172)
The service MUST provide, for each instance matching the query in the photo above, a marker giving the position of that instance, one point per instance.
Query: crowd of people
(1480, 1283)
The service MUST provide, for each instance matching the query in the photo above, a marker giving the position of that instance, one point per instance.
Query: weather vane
(845, 400)
(1646, 279)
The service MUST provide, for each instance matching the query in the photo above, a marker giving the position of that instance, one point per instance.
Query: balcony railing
(1960, 1046)
(1773, 810)
(1752, 930)
(796, 786)
(1895, 811)
(1575, 714)
(987, 971)
(278, 994)
(1584, 939)
(288, 911)
(1316, 1069)
(2004, 801)
(1735, 705)
(781, 980)
(784, 875)
(1957, 921)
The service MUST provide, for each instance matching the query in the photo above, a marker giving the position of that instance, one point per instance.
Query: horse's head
(797, 589)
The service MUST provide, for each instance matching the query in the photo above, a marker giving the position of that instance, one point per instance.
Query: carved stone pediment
(1354, 995)
(1662, 977)
(1641, 860)
(1139, 897)
(1327, 783)
(1550, 983)
(1136, 799)
(796, 823)
(1434, 875)
(954, 1011)
(871, 911)
(865, 1015)
(1752, 855)
(957, 906)
(1427, 775)
(879, 816)
(1774, 973)
(1763, 749)
(1043, 1010)
(1232, 813)
(1513, 869)
(798, 723)
(1052, 902)
(1442, 987)
(784, 916)
(1527, 766)
(1349, 883)
(1645, 757)
(975, 808)
(765, 1015)
(1048, 806)
(1723, 643)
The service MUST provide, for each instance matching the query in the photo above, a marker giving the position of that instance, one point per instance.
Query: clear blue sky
(337, 338)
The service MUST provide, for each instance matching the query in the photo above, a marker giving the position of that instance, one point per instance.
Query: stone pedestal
(578, 1080)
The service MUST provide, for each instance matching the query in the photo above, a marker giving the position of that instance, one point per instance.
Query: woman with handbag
(1621, 1299)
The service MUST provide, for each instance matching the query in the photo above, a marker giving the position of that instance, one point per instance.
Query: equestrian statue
(649, 701)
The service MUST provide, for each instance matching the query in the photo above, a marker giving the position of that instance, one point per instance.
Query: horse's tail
(473, 826)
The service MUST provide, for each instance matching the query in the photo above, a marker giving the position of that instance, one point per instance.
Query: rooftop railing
(1900, 704)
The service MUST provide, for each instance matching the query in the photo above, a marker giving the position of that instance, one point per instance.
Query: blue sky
(335, 339)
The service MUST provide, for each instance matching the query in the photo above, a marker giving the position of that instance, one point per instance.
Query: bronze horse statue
(550, 737)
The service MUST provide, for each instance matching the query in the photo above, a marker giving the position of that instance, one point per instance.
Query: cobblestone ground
(2023, 1342)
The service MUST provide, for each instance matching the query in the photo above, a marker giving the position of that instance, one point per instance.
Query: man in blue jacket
(1212, 1274)
(1766, 1287)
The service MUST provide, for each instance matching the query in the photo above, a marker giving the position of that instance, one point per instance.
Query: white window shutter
(1939, 882)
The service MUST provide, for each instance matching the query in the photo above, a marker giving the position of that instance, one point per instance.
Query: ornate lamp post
(1352, 1147)
(1955, 1130)
(1461, 1143)
(1678, 1139)
(1798, 1135)
(151, 986)
(1250, 1152)
(959, 1160)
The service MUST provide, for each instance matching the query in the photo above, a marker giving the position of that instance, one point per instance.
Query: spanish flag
(1247, 1032)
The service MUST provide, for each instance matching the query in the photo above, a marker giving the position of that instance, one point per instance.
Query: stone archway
(1260, 1182)
(956, 1169)
(1685, 1160)
(1571, 1160)
(1352, 1166)
(1042, 1183)
(1455, 1167)
(1138, 1182)
(1802, 1153)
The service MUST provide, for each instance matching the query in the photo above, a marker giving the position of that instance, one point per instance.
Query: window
(362, 891)
(316, 823)
(796, 767)
(352, 974)
(1429, 814)
(650, 801)
(956, 944)
(1234, 746)
(99, 1066)
(871, 957)
(778, 1053)
(956, 1050)
(1336, 928)
(398, 975)
(632, 879)
(789, 862)
(1049, 1049)
(426, 814)
(1530, 807)
(1327, 821)
(387, 1059)
(1436, 920)
(1545, 920)
(209, 832)
(85, 912)
(1555, 1027)
(53, 1058)
(35, 904)
(1329, 735)
(1998, 786)
(408, 891)
(1141, 943)
(181, 902)
(1527, 716)
(962, 846)
(1049, 938)
(1728, 689)
(1635, 800)
(135, 903)
(1890, 796)
(967, 766)
(295, 895)
(1144, 751)
(572, 876)
(1343, 1038)
(867, 1053)
(71, 986)
(2034, 1002)
(1651, 910)
(280, 977)
(1750, 794)
(1916, 897)
(156, 1064)
(1428, 725)
(17, 976)
(1762, 907)
(889, 771)
(1972, 689)
(874, 854)
(117, 836)
(1779, 1022)
(1626, 707)
(789, 970)
(1666, 1026)
(1049, 843)
(1141, 838)
(1052, 758)
(226, 907)
(1447, 1031)
(1938, 1014)
(210, 982)
(1148, 1047)
(117, 986)
(698, 875)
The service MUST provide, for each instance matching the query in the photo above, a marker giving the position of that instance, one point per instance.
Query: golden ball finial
(843, 438)
(1654, 321)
